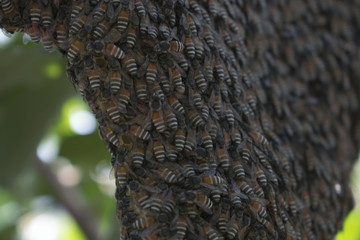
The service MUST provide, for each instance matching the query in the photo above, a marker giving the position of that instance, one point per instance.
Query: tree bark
(225, 119)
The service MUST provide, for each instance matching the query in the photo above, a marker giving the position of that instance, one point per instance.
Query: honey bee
(212, 180)
(101, 29)
(159, 151)
(229, 114)
(260, 175)
(153, 31)
(131, 37)
(153, 11)
(47, 40)
(151, 73)
(144, 222)
(196, 118)
(138, 156)
(164, 30)
(200, 80)
(61, 35)
(238, 169)
(124, 99)
(245, 187)
(224, 158)
(232, 228)
(115, 82)
(190, 142)
(158, 91)
(210, 232)
(235, 199)
(78, 24)
(140, 8)
(130, 64)
(113, 111)
(167, 175)
(139, 132)
(76, 9)
(206, 140)
(94, 79)
(171, 120)
(191, 23)
(112, 138)
(176, 46)
(156, 202)
(181, 61)
(164, 83)
(208, 36)
(144, 22)
(172, 153)
(99, 12)
(35, 13)
(73, 50)
(8, 8)
(140, 89)
(258, 209)
(180, 227)
(195, 6)
(176, 105)
(121, 175)
(169, 203)
(189, 47)
(177, 79)
(112, 50)
(47, 16)
(199, 48)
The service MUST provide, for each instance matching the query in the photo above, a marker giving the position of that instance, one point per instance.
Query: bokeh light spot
(82, 122)
(42, 227)
(48, 149)
(3, 39)
(69, 175)
(53, 70)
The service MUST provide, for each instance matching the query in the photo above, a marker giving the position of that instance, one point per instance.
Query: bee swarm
(226, 119)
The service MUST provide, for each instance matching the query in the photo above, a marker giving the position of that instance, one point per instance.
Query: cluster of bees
(226, 119)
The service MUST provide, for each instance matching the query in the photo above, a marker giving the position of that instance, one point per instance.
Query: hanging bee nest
(226, 119)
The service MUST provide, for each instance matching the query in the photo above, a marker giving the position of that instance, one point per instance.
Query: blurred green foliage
(36, 99)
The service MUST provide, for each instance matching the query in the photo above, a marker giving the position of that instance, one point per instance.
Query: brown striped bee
(112, 50)
(77, 8)
(111, 137)
(180, 227)
(171, 120)
(139, 132)
(144, 222)
(74, 50)
(78, 24)
(47, 39)
(151, 73)
(166, 174)
(115, 82)
(94, 79)
(200, 80)
(130, 64)
(176, 78)
(35, 13)
(176, 105)
(61, 34)
(121, 175)
(138, 156)
(159, 151)
(210, 232)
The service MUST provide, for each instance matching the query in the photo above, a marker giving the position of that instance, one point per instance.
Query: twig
(70, 198)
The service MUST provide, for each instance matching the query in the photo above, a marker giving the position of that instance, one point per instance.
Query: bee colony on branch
(226, 119)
